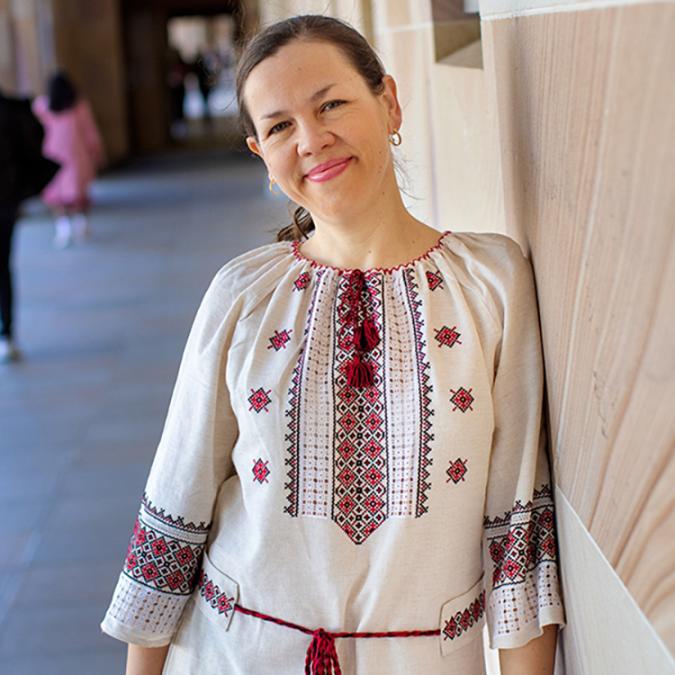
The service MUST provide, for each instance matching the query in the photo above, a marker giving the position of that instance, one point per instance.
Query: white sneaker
(8, 351)
(63, 235)
(81, 229)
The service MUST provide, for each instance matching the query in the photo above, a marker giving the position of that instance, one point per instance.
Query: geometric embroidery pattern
(424, 394)
(522, 538)
(462, 399)
(164, 553)
(302, 281)
(434, 279)
(370, 474)
(447, 336)
(359, 482)
(456, 470)
(215, 598)
(259, 399)
(260, 471)
(462, 620)
(279, 339)
(292, 438)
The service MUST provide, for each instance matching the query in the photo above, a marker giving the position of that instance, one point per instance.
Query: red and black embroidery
(447, 337)
(175, 522)
(280, 339)
(461, 621)
(359, 465)
(164, 553)
(293, 410)
(457, 470)
(302, 282)
(522, 538)
(425, 390)
(259, 399)
(260, 471)
(434, 279)
(462, 399)
(464, 619)
(217, 599)
(370, 475)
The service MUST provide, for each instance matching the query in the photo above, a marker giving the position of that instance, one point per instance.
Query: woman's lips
(327, 174)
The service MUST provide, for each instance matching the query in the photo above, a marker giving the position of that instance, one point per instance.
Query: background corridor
(102, 327)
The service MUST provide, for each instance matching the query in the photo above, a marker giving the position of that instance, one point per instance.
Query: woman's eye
(335, 101)
(276, 126)
(280, 126)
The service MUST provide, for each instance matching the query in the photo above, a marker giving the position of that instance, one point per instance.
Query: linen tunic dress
(422, 501)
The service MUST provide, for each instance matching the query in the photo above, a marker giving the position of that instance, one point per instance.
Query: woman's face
(327, 113)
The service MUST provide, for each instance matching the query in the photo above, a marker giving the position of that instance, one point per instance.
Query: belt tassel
(322, 656)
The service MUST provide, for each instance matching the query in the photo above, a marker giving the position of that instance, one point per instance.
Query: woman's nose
(313, 137)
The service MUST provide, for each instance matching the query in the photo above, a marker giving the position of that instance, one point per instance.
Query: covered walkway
(102, 327)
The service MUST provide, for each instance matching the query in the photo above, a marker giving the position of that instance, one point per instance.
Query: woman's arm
(537, 657)
(145, 660)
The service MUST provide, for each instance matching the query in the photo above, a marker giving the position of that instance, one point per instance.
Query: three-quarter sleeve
(192, 460)
(519, 527)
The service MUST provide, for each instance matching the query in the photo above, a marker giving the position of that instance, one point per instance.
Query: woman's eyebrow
(312, 98)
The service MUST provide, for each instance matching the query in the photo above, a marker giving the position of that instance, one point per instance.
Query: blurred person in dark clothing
(206, 67)
(23, 173)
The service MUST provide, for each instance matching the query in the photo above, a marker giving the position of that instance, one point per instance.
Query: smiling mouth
(330, 172)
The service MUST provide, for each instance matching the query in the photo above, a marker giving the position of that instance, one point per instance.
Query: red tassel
(321, 658)
(366, 336)
(370, 336)
(359, 374)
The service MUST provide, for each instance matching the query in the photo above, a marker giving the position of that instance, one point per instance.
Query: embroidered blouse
(353, 450)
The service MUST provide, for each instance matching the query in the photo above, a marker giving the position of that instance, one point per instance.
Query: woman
(72, 139)
(354, 443)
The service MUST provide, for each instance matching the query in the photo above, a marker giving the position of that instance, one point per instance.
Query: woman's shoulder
(491, 256)
(494, 265)
(258, 267)
(488, 247)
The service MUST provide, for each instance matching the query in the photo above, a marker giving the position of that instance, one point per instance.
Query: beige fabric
(422, 502)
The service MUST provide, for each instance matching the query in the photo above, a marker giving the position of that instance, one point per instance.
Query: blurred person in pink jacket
(72, 138)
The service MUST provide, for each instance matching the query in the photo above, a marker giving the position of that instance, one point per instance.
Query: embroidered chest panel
(374, 469)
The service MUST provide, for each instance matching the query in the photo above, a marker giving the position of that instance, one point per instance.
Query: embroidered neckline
(295, 249)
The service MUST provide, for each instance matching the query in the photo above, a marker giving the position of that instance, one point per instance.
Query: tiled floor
(102, 327)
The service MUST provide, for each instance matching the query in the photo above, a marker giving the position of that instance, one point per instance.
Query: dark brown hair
(61, 91)
(308, 27)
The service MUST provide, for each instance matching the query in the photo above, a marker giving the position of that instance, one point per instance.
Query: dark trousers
(7, 222)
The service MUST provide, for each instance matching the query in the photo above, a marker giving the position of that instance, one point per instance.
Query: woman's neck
(384, 245)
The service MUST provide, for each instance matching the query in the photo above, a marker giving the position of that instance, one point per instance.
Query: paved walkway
(102, 327)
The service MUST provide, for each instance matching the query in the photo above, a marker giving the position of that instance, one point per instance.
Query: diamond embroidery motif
(280, 339)
(435, 280)
(462, 399)
(217, 599)
(461, 621)
(260, 471)
(522, 538)
(364, 474)
(301, 282)
(259, 400)
(456, 470)
(448, 336)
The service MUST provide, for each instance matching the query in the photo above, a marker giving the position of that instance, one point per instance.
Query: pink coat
(72, 139)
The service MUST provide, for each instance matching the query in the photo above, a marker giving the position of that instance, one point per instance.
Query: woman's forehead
(292, 77)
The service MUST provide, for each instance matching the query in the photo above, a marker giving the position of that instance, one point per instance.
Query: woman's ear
(253, 146)
(390, 98)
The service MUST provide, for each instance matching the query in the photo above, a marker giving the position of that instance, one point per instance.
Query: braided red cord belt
(322, 656)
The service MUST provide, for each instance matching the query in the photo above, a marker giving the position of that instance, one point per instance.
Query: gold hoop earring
(271, 185)
(395, 138)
